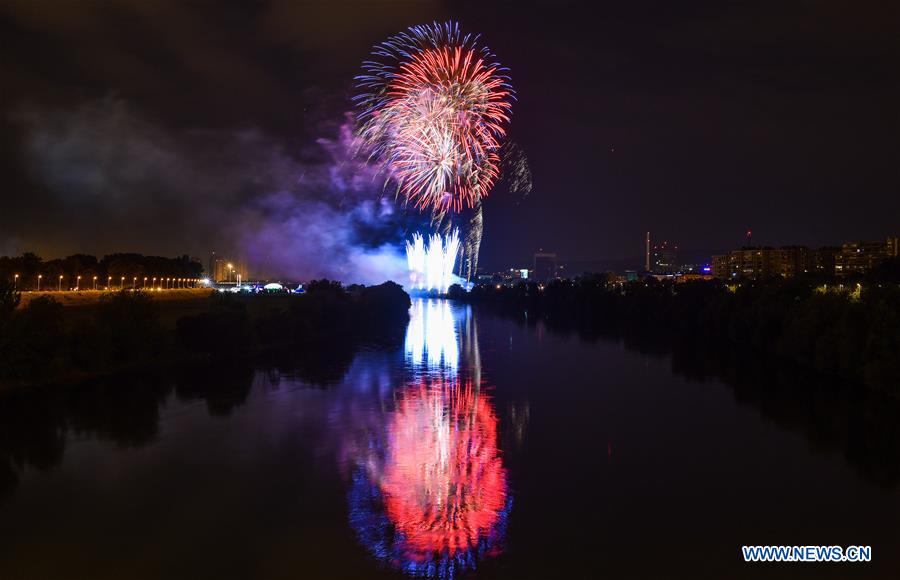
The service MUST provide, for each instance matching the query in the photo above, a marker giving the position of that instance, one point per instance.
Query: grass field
(173, 304)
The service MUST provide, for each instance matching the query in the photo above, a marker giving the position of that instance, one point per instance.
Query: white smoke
(122, 183)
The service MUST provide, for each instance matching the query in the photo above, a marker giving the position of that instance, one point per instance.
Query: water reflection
(425, 454)
(432, 338)
(429, 494)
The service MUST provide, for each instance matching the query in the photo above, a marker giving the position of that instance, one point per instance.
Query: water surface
(480, 447)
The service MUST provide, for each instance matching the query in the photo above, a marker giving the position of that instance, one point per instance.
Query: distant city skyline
(124, 131)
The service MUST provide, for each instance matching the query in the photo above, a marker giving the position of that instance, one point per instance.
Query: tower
(647, 255)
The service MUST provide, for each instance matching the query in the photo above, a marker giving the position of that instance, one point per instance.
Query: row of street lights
(164, 283)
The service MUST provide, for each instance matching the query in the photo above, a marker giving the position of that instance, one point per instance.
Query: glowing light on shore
(431, 266)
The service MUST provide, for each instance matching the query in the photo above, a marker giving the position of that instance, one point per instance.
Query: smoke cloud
(120, 182)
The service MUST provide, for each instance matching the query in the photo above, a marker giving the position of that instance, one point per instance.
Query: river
(481, 447)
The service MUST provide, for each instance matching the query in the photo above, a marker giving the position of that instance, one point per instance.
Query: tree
(9, 301)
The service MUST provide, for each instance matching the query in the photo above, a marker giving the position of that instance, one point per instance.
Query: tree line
(22, 271)
(40, 343)
(848, 329)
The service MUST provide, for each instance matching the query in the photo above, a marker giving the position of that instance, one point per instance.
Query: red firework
(436, 117)
(444, 483)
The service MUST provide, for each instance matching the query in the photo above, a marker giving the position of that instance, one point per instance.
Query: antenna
(647, 257)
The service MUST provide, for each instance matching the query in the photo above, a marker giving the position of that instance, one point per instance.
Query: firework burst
(433, 108)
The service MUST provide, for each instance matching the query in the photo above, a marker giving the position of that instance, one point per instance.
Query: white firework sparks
(431, 267)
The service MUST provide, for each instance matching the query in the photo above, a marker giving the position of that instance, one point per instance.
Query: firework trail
(516, 170)
(433, 108)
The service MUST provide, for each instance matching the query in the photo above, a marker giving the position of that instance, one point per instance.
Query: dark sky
(128, 123)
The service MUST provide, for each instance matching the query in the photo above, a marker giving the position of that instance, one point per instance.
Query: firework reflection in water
(430, 495)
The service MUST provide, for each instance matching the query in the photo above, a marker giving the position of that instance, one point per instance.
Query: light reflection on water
(394, 466)
(429, 493)
(432, 339)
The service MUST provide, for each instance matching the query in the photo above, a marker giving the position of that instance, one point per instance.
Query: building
(860, 257)
(823, 260)
(748, 262)
(720, 266)
(664, 258)
(790, 261)
(693, 277)
(225, 271)
(543, 267)
(795, 260)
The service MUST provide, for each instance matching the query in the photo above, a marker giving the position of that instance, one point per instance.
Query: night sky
(136, 125)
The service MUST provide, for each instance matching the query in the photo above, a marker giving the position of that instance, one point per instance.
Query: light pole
(59, 286)
(39, 282)
(77, 283)
(109, 283)
(154, 284)
(145, 282)
(16, 281)
(122, 283)
(134, 283)
(95, 283)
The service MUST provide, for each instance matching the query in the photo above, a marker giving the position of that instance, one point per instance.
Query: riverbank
(48, 341)
(848, 333)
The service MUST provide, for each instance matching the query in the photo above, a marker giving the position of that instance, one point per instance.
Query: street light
(95, 283)
(59, 286)
(134, 284)
(77, 283)
(154, 284)
(16, 281)
(122, 283)
(145, 282)
(39, 282)
(109, 283)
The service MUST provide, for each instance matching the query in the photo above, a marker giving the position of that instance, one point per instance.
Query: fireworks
(434, 500)
(433, 108)
(431, 267)
(444, 484)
